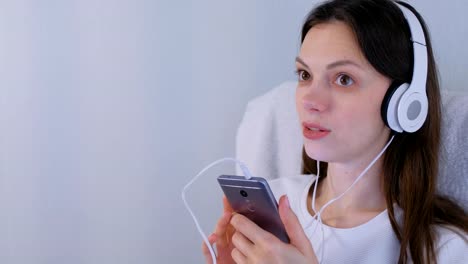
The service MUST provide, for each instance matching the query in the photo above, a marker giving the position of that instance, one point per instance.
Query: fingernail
(286, 201)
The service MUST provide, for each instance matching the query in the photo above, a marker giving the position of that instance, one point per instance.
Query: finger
(238, 257)
(249, 229)
(294, 229)
(244, 245)
(226, 205)
(206, 252)
(222, 228)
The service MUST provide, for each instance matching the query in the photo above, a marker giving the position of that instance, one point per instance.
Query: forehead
(329, 42)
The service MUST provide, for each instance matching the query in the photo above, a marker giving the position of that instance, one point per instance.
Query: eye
(302, 75)
(344, 80)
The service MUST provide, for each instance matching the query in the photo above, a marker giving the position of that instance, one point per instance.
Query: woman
(352, 51)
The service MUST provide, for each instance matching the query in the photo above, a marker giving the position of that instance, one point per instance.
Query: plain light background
(107, 108)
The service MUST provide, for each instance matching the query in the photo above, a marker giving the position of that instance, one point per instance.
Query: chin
(320, 154)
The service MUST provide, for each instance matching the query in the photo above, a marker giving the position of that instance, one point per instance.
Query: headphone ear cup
(413, 110)
(389, 108)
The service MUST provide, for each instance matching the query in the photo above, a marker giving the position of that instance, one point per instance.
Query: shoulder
(452, 245)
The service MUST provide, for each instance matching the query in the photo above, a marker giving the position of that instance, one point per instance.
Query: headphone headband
(417, 33)
(419, 50)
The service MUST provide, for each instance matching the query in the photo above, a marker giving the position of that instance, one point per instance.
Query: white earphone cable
(247, 175)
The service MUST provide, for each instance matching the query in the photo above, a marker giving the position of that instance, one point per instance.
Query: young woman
(352, 51)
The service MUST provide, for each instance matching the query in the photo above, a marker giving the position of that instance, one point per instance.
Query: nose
(314, 99)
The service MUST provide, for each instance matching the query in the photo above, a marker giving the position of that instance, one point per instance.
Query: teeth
(313, 129)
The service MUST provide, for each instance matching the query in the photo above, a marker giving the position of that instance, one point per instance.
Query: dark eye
(302, 75)
(344, 80)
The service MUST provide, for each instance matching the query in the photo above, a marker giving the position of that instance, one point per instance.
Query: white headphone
(405, 106)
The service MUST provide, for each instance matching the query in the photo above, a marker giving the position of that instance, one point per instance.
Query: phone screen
(253, 198)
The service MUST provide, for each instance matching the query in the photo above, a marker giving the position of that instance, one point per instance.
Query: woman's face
(338, 97)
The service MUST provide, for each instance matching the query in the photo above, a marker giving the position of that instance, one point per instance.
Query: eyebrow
(332, 65)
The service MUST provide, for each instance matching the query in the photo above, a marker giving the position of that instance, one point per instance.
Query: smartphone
(253, 198)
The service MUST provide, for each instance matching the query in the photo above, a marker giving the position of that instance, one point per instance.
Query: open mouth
(314, 131)
(314, 127)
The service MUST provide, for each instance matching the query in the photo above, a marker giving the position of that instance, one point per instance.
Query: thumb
(294, 229)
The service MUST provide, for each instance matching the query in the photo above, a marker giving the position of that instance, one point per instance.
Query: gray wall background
(107, 108)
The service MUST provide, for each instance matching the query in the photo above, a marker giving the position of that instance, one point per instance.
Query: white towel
(269, 139)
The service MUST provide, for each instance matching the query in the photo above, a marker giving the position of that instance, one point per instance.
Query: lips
(314, 131)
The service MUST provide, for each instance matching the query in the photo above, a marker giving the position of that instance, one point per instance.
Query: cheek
(359, 115)
(298, 98)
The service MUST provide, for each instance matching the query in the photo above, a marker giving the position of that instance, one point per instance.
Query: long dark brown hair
(410, 164)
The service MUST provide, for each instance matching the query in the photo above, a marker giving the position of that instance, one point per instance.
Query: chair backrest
(269, 139)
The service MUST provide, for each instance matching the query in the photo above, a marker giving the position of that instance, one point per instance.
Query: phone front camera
(243, 193)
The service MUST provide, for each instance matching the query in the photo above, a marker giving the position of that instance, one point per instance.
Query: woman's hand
(255, 245)
(221, 237)
(239, 240)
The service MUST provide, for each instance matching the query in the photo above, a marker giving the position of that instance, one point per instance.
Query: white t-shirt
(372, 242)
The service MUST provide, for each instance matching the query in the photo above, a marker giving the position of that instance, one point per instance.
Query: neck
(358, 182)
(366, 194)
(360, 191)
(360, 204)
